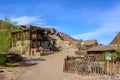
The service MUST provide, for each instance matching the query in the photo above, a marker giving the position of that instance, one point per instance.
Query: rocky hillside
(64, 40)
(65, 37)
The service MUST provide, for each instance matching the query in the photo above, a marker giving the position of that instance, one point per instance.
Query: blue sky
(82, 19)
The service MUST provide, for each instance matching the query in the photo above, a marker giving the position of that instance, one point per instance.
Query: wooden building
(89, 43)
(31, 39)
(95, 53)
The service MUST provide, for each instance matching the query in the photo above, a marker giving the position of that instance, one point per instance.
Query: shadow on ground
(26, 62)
(1, 70)
(33, 59)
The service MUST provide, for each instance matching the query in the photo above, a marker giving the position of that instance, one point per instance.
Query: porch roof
(103, 48)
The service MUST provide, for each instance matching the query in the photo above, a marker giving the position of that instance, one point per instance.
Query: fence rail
(84, 67)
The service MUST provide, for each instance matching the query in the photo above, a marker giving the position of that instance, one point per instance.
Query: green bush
(114, 56)
(118, 51)
(101, 57)
(2, 59)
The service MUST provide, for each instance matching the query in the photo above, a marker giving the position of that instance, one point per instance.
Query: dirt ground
(49, 67)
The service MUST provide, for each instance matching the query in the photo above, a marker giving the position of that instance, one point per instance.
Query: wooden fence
(82, 67)
(106, 68)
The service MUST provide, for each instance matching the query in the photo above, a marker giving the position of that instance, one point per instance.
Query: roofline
(113, 49)
(114, 38)
(20, 30)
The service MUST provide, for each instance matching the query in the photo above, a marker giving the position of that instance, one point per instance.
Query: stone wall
(22, 47)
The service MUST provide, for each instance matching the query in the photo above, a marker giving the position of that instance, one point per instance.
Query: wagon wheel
(73, 66)
(82, 69)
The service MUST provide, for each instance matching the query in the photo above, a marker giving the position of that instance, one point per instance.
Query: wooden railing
(106, 68)
(102, 68)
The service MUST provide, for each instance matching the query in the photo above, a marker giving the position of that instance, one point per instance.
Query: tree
(79, 46)
(6, 27)
(118, 51)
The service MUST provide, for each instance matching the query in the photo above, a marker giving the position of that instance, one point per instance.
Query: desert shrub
(2, 59)
(114, 56)
(118, 51)
(101, 57)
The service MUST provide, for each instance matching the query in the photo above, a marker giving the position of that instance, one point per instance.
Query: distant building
(89, 43)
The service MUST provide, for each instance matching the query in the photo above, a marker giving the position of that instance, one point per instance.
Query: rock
(63, 40)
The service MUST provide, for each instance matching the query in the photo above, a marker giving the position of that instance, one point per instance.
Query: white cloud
(109, 25)
(28, 20)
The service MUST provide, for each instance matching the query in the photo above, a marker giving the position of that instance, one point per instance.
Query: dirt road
(50, 67)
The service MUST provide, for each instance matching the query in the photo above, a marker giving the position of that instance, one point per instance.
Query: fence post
(116, 69)
(66, 66)
(102, 68)
(107, 68)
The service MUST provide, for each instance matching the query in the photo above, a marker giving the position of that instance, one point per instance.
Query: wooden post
(30, 40)
(117, 65)
(36, 43)
(66, 66)
(102, 65)
(115, 69)
(111, 65)
(108, 68)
